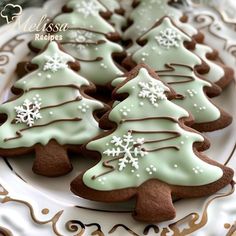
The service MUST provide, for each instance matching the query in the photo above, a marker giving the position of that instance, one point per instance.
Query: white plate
(34, 205)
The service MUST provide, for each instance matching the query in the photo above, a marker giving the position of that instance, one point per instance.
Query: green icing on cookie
(51, 106)
(165, 46)
(153, 10)
(148, 142)
(147, 13)
(88, 42)
(117, 81)
(119, 22)
(216, 72)
(111, 5)
(93, 51)
(85, 15)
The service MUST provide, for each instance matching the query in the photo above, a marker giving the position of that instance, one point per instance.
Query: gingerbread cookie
(94, 52)
(91, 15)
(164, 50)
(98, 56)
(218, 73)
(149, 155)
(50, 115)
(146, 13)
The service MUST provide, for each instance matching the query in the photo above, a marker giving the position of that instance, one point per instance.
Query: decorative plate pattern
(218, 25)
(35, 205)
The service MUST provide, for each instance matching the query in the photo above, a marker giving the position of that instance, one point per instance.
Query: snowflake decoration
(54, 63)
(29, 111)
(152, 91)
(82, 36)
(87, 8)
(168, 38)
(128, 149)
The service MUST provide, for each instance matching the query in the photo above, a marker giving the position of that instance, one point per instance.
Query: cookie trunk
(154, 202)
(51, 160)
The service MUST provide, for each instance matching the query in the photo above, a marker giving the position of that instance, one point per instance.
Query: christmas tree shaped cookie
(218, 73)
(50, 114)
(88, 43)
(94, 52)
(89, 15)
(147, 12)
(164, 50)
(149, 154)
(117, 18)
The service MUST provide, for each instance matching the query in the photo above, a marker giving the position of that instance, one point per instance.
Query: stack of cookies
(130, 89)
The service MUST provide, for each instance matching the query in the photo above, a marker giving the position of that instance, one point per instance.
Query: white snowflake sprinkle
(128, 149)
(152, 91)
(87, 8)
(168, 38)
(54, 63)
(28, 112)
